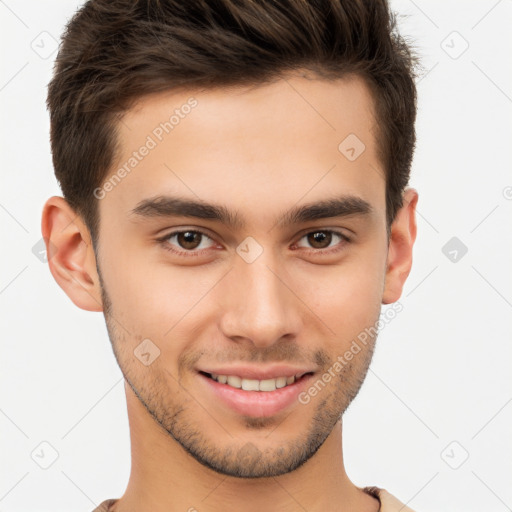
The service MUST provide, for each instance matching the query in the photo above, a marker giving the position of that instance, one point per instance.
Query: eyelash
(164, 241)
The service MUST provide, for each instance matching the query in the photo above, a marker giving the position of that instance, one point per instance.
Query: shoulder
(105, 506)
(388, 503)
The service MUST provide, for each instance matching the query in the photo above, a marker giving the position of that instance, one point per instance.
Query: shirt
(388, 503)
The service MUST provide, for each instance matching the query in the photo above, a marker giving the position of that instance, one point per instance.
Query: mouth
(265, 385)
(255, 397)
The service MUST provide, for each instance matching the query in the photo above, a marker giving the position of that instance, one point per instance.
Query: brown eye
(323, 239)
(189, 239)
(320, 239)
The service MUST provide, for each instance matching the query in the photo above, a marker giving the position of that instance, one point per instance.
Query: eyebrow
(167, 206)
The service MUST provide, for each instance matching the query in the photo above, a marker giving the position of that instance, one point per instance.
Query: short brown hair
(115, 51)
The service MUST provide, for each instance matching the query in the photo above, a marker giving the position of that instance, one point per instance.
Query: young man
(235, 202)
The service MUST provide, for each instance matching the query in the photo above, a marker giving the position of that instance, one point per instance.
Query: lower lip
(257, 404)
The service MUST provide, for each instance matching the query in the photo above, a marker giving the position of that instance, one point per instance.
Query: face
(248, 241)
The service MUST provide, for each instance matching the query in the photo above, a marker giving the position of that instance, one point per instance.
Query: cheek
(347, 298)
(155, 300)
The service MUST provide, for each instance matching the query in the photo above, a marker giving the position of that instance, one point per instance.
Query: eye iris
(189, 239)
(322, 237)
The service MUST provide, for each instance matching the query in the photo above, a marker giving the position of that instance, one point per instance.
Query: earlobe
(402, 238)
(70, 254)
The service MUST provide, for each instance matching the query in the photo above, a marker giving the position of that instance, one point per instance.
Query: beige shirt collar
(388, 503)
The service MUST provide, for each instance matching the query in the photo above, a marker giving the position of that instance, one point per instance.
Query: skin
(296, 303)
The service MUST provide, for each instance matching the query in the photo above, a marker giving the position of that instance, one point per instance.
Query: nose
(259, 305)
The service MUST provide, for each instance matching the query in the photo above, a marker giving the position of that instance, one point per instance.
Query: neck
(164, 477)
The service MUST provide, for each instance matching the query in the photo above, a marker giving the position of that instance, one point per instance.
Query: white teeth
(253, 384)
(280, 382)
(268, 385)
(250, 385)
(235, 382)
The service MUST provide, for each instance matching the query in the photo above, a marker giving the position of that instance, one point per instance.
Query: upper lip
(259, 373)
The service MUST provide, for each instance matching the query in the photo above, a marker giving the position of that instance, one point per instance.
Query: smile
(254, 397)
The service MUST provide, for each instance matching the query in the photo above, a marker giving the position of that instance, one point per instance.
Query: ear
(401, 241)
(70, 254)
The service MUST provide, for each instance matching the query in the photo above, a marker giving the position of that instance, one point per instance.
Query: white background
(441, 372)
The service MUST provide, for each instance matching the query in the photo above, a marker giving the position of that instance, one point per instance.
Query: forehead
(250, 147)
